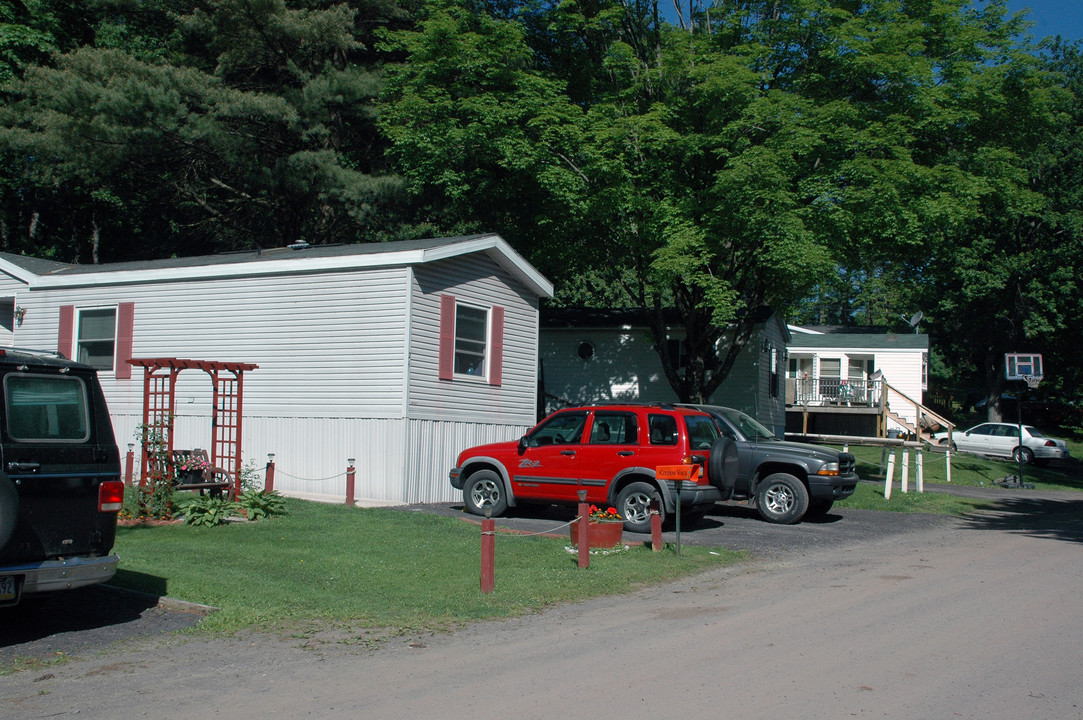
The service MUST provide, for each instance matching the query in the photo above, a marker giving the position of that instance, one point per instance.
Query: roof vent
(299, 245)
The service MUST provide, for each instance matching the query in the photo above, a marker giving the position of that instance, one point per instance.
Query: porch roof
(859, 342)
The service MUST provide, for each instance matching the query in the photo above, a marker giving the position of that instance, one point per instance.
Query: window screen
(95, 339)
(471, 333)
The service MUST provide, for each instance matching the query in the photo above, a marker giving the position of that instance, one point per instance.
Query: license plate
(9, 589)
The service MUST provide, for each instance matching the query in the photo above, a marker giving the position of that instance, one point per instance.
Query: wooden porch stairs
(928, 421)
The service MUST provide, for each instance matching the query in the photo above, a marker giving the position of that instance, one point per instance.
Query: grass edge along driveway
(329, 565)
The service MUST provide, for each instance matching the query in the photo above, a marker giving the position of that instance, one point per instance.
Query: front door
(548, 465)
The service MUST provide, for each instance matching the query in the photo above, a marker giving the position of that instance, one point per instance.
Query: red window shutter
(447, 336)
(65, 331)
(125, 332)
(496, 357)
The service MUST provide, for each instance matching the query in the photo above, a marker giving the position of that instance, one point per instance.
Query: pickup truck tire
(818, 507)
(634, 505)
(485, 489)
(781, 498)
(9, 509)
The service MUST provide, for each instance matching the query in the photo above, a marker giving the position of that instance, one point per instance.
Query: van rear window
(46, 408)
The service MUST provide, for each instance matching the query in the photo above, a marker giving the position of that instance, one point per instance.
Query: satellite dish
(914, 319)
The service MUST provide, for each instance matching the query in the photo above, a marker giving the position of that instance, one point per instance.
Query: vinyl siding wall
(479, 283)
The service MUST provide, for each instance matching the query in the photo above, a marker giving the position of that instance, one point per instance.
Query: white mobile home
(841, 371)
(398, 355)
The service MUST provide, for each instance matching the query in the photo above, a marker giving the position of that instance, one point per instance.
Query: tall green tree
(1011, 280)
(740, 161)
(247, 123)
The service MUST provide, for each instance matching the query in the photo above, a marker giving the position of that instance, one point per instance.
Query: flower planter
(602, 535)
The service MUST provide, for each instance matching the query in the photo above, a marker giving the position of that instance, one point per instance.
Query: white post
(890, 475)
(920, 471)
(906, 470)
(947, 462)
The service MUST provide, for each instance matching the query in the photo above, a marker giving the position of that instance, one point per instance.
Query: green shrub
(207, 510)
(259, 504)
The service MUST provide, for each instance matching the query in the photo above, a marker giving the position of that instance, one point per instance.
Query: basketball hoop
(1032, 381)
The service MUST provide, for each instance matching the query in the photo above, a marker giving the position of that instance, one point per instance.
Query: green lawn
(327, 565)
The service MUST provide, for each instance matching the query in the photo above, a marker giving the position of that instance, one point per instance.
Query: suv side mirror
(524, 443)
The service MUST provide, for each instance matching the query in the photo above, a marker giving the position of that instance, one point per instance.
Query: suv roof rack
(32, 351)
(627, 403)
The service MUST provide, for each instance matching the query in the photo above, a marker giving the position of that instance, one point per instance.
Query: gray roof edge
(27, 267)
(298, 258)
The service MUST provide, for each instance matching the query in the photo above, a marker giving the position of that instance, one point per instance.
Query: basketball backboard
(1018, 366)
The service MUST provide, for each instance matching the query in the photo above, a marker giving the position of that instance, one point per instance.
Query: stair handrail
(919, 410)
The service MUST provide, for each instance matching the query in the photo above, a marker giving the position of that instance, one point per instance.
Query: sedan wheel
(1024, 455)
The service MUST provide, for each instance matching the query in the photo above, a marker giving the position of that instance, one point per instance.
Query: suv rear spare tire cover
(9, 509)
(722, 466)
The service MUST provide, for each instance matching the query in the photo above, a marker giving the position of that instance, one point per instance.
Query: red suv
(609, 451)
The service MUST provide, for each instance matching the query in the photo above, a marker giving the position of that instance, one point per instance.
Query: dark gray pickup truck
(60, 485)
(787, 480)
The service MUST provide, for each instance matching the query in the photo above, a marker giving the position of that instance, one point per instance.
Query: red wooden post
(269, 474)
(129, 464)
(349, 483)
(656, 527)
(584, 530)
(488, 555)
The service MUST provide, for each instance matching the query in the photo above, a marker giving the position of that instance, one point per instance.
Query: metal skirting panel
(395, 460)
(434, 447)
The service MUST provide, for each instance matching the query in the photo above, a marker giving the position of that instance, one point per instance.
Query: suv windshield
(559, 429)
(747, 425)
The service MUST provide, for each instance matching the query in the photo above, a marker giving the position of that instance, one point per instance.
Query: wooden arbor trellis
(159, 400)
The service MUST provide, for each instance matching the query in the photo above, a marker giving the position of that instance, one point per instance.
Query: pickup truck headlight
(831, 468)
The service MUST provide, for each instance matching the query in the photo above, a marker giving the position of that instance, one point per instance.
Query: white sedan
(1002, 440)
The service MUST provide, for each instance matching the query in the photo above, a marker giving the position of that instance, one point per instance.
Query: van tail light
(110, 496)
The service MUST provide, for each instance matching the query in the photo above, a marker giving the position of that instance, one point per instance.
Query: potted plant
(605, 530)
(192, 470)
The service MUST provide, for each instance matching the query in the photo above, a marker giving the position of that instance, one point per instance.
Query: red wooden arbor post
(159, 400)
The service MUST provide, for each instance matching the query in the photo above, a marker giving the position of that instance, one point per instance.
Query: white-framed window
(96, 337)
(471, 340)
